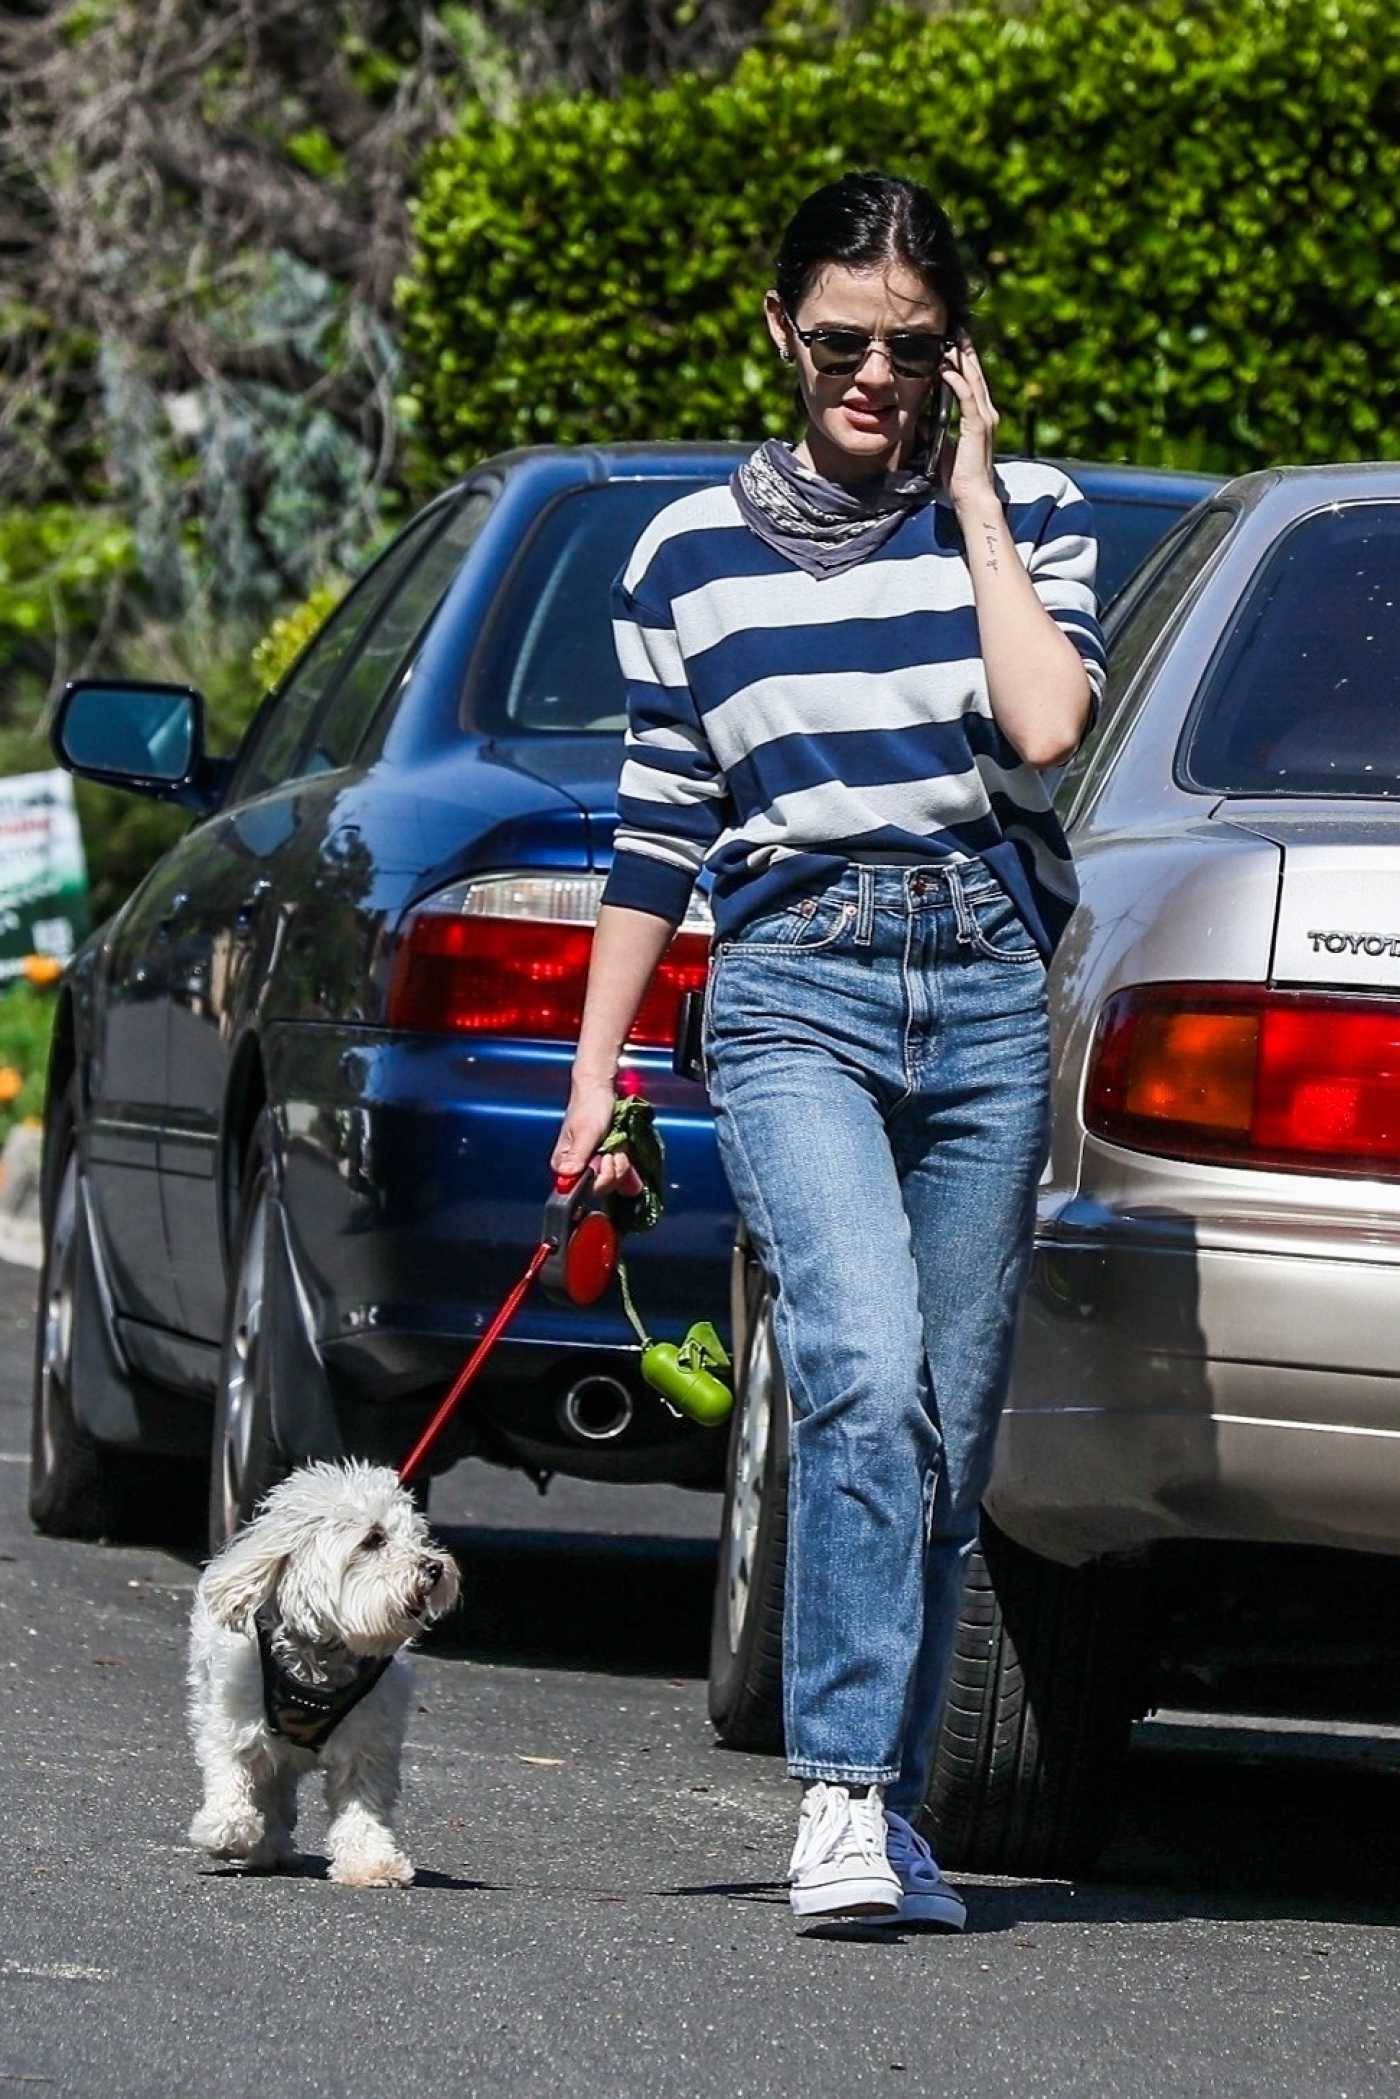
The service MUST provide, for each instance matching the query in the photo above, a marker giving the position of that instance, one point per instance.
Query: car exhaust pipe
(596, 1408)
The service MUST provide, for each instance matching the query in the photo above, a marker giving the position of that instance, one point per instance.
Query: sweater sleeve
(672, 797)
(1062, 567)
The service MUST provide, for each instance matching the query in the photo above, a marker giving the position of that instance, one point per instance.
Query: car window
(375, 672)
(1304, 696)
(1143, 619)
(271, 752)
(547, 661)
(1127, 533)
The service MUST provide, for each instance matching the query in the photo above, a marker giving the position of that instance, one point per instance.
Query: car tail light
(508, 955)
(1301, 1080)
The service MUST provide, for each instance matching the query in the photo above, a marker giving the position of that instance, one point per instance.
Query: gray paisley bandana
(816, 523)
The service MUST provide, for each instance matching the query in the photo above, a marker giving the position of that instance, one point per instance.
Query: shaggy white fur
(348, 1570)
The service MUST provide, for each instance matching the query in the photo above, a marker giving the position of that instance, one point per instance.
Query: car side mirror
(147, 738)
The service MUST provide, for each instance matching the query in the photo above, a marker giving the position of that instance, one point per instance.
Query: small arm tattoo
(991, 538)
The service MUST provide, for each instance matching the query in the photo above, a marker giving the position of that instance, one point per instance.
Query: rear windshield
(1305, 696)
(548, 661)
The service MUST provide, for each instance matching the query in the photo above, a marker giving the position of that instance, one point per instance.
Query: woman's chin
(867, 440)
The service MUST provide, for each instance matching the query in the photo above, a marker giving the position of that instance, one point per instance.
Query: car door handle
(246, 916)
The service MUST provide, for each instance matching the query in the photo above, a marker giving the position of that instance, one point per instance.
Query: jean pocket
(811, 922)
(998, 931)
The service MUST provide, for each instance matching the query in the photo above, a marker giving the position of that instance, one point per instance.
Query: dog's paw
(390, 1870)
(241, 1840)
(227, 1836)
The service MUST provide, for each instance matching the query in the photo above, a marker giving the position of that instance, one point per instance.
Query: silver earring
(786, 356)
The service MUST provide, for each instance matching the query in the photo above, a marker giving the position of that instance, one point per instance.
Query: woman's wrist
(594, 1071)
(978, 506)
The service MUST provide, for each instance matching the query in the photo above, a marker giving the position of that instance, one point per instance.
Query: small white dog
(296, 1660)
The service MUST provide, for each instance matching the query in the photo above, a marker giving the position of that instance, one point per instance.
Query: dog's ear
(243, 1578)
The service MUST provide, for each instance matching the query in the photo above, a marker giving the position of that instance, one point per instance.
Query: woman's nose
(883, 370)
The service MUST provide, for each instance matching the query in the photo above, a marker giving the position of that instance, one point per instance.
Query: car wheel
(246, 1460)
(76, 1486)
(746, 1626)
(1028, 1764)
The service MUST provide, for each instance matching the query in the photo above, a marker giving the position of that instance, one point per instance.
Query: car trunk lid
(1338, 918)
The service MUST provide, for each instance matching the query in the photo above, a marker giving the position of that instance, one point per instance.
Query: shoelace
(908, 1852)
(838, 1828)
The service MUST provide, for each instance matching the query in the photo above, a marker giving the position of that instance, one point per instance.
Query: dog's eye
(372, 1540)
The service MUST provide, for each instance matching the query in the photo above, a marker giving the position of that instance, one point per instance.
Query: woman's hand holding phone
(969, 467)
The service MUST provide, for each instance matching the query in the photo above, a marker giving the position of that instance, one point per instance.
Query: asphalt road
(598, 1909)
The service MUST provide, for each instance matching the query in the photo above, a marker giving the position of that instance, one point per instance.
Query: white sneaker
(926, 1897)
(839, 1866)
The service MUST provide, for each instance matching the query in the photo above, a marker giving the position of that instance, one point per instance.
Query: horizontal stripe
(700, 822)
(792, 765)
(764, 711)
(863, 649)
(649, 783)
(672, 852)
(710, 611)
(649, 655)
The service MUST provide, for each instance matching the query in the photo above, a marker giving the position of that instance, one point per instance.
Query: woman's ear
(243, 1578)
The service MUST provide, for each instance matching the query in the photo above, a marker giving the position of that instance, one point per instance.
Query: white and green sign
(43, 875)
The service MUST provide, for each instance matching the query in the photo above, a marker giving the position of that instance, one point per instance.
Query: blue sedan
(304, 1084)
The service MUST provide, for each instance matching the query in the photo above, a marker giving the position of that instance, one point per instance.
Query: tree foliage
(205, 212)
(1184, 212)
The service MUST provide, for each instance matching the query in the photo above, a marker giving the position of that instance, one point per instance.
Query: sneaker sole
(934, 1910)
(847, 1898)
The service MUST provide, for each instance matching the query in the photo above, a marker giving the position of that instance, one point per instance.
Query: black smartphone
(926, 462)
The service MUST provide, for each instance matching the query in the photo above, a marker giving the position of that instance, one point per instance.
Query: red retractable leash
(578, 1256)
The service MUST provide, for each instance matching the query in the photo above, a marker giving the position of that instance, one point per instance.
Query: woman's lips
(866, 418)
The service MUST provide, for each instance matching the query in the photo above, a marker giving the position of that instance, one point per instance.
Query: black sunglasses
(915, 353)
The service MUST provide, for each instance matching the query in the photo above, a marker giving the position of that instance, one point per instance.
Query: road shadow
(315, 1866)
(630, 1606)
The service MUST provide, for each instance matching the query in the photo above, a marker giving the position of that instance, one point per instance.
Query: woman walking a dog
(846, 669)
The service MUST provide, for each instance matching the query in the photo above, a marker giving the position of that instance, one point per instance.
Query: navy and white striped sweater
(781, 725)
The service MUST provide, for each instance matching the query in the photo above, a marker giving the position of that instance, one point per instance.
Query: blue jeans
(878, 1062)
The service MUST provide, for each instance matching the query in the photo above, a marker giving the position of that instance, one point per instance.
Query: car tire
(1029, 1759)
(746, 1624)
(246, 1460)
(80, 1487)
(75, 1485)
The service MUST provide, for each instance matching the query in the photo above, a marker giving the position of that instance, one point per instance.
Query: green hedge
(1185, 212)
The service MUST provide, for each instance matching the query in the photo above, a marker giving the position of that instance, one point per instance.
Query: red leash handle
(473, 1363)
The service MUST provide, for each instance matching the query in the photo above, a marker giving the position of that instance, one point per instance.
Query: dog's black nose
(432, 1572)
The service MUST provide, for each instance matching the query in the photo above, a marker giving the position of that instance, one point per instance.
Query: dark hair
(864, 221)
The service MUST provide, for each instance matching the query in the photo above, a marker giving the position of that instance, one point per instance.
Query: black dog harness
(305, 1714)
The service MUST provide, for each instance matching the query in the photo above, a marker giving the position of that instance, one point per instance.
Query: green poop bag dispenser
(687, 1375)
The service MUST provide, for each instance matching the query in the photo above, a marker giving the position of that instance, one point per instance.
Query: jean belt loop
(967, 925)
(865, 908)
